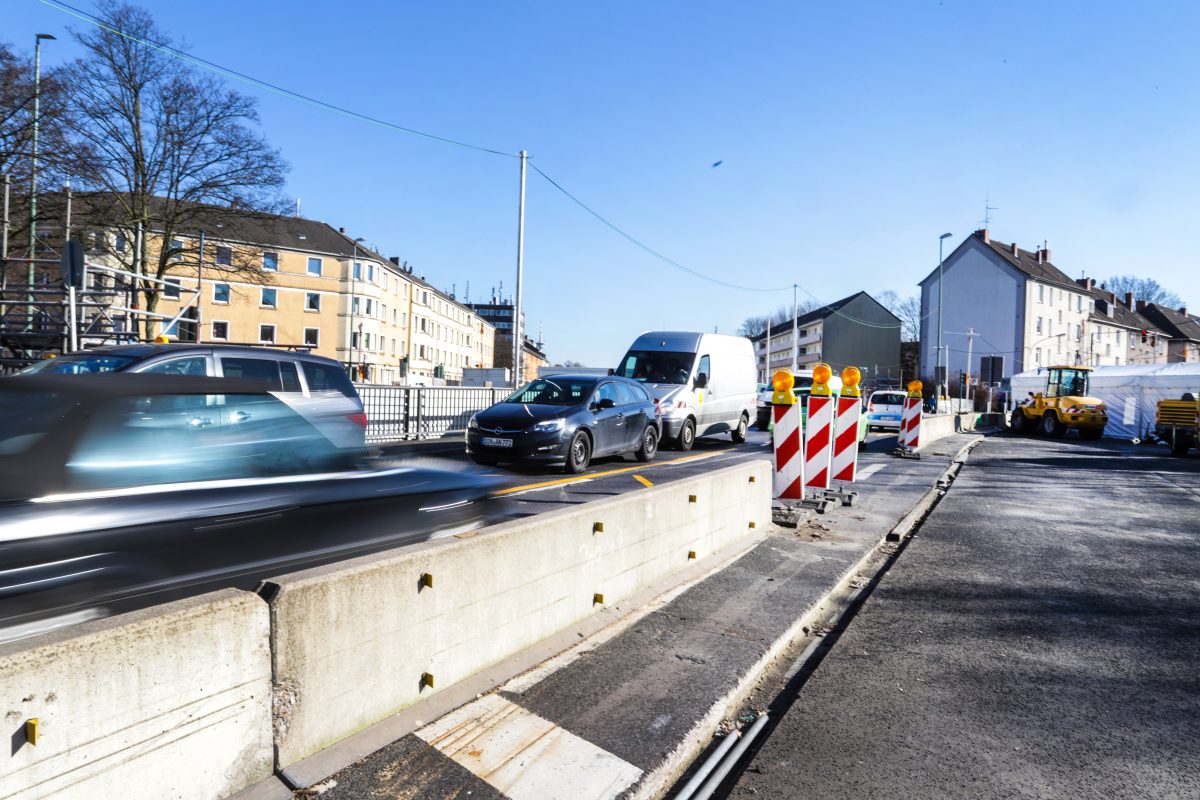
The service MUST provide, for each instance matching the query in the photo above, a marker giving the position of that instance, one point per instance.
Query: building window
(171, 288)
(312, 337)
(357, 271)
(270, 262)
(220, 330)
(224, 256)
(120, 243)
(312, 301)
(369, 307)
(176, 250)
(266, 334)
(1039, 324)
(268, 298)
(221, 293)
(1041, 293)
(370, 273)
(354, 305)
(314, 266)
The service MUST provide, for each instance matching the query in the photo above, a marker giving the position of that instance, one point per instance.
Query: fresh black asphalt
(1039, 637)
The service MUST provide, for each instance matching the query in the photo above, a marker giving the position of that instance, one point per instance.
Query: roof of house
(1173, 322)
(1027, 262)
(1122, 316)
(827, 311)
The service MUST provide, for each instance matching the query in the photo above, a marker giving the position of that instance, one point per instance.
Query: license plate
(489, 441)
(889, 417)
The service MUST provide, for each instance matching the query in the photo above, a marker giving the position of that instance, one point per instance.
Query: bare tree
(1146, 289)
(907, 309)
(164, 146)
(753, 326)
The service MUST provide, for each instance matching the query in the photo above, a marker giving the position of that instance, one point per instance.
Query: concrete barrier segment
(352, 641)
(172, 701)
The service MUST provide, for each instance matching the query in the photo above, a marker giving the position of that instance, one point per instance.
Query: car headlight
(548, 426)
(474, 423)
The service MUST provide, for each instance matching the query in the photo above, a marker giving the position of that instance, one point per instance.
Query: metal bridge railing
(398, 413)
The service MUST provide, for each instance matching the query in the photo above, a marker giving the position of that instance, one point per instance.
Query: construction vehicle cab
(1064, 404)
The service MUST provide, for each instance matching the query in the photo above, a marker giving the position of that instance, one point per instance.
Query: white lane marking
(527, 757)
(863, 474)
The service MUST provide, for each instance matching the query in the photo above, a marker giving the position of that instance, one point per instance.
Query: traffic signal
(1143, 335)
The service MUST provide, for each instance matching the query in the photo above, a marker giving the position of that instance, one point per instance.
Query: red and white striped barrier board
(910, 423)
(818, 441)
(789, 453)
(845, 438)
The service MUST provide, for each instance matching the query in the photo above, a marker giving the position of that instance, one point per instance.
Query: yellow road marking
(642, 480)
(594, 475)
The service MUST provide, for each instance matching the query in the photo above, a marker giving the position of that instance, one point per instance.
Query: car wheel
(579, 453)
(1051, 426)
(1019, 422)
(649, 446)
(687, 435)
(739, 433)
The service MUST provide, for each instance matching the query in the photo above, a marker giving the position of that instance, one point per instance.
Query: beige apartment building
(278, 281)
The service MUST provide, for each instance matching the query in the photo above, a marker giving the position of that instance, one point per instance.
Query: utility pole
(939, 381)
(517, 338)
(37, 92)
(795, 329)
(200, 290)
(767, 358)
(970, 342)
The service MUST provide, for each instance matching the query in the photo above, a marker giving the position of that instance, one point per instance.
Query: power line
(265, 85)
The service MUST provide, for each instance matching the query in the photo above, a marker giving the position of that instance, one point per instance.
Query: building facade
(1181, 329)
(854, 331)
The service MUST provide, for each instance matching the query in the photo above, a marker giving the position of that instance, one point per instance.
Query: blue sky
(851, 136)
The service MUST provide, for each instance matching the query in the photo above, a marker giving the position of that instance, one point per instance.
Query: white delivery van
(703, 383)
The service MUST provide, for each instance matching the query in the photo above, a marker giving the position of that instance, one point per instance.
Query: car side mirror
(701, 380)
(607, 402)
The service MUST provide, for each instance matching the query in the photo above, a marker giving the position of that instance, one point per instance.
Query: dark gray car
(568, 420)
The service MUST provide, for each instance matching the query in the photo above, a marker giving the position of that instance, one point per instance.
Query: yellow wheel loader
(1061, 406)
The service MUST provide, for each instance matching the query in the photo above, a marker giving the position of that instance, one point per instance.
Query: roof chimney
(395, 260)
(1015, 250)
(1047, 254)
(1141, 306)
(1183, 310)
(985, 234)
(342, 231)
(1129, 300)
(1040, 253)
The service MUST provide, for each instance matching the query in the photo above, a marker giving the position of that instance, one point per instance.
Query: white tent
(1131, 392)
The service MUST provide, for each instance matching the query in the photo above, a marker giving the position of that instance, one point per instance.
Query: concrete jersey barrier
(356, 642)
(173, 701)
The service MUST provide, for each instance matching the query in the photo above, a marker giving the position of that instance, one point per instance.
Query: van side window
(327, 378)
(290, 375)
(259, 369)
(705, 368)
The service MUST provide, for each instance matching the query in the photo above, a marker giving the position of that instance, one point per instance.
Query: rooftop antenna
(467, 297)
(988, 208)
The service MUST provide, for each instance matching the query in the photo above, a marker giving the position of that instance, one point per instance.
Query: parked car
(802, 393)
(568, 420)
(316, 387)
(885, 408)
(122, 491)
(763, 420)
(703, 383)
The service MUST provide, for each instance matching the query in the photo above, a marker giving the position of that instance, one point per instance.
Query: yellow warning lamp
(821, 375)
(160, 339)
(914, 388)
(783, 383)
(850, 378)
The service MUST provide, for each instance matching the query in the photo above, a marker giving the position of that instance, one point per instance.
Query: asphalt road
(532, 490)
(1038, 638)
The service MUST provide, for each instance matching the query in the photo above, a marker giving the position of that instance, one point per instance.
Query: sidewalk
(624, 712)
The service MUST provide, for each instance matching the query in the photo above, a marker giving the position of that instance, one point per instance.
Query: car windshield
(557, 392)
(888, 399)
(657, 366)
(79, 364)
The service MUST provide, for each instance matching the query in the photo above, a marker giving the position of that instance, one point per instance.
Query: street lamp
(353, 260)
(37, 91)
(941, 240)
